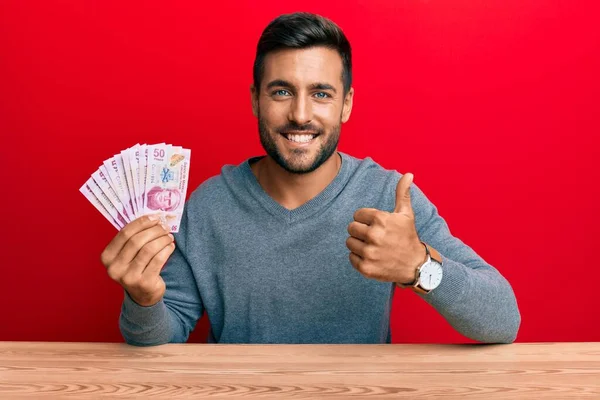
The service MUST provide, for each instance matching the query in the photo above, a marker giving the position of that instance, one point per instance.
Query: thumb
(403, 204)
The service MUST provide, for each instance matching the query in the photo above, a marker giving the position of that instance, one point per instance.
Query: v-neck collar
(305, 210)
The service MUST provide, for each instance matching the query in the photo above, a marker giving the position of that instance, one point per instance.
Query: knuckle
(143, 286)
(113, 274)
(366, 269)
(147, 251)
(380, 236)
(157, 230)
(373, 236)
(163, 256)
(126, 233)
(164, 241)
(137, 263)
(137, 242)
(160, 259)
(359, 265)
(348, 241)
(105, 259)
(170, 250)
(368, 253)
(371, 253)
(380, 218)
(353, 260)
(129, 281)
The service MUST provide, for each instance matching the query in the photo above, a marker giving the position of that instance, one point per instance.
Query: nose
(300, 110)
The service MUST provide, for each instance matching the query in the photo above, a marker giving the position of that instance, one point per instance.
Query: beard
(294, 163)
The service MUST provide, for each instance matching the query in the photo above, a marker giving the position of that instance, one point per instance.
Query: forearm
(150, 326)
(172, 319)
(479, 303)
(473, 296)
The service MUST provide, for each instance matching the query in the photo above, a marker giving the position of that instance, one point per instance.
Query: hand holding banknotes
(135, 257)
(141, 192)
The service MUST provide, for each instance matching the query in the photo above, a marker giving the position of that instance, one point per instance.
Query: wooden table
(183, 371)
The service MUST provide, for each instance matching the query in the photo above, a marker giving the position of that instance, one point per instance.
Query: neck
(292, 190)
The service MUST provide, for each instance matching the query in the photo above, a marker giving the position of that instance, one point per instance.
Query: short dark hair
(302, 30)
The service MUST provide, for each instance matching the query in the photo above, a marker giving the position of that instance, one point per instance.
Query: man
(305, 244)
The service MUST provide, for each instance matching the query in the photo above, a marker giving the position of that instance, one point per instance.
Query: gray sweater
(266, 274)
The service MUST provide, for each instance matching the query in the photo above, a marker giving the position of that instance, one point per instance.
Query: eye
(281, 92)
(322, 95)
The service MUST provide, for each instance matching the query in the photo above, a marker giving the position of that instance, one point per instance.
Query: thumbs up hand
(385, 246)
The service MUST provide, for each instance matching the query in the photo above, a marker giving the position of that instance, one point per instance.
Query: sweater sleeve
(473, 296)
(172, 319)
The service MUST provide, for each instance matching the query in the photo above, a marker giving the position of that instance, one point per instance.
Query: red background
(492, 105)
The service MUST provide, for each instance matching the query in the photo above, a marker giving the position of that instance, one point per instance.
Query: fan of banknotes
(143, 179)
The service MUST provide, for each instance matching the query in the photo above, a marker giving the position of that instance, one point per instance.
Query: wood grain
(182, 371)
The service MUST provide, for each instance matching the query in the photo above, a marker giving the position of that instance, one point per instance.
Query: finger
(356, 246)
(116, 245)
(365, 215)
(159, 260)
(139, 240)
(355, 260)
(403, 204)
(148, 252)
(358, 230)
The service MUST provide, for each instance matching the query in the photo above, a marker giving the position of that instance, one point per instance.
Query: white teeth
(300, 138)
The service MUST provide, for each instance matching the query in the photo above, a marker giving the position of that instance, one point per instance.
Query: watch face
(431, 275)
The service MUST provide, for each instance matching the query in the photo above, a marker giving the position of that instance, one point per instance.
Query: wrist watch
(429, 275)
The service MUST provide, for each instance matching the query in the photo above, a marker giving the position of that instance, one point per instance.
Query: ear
(254, 100)
(347, 108)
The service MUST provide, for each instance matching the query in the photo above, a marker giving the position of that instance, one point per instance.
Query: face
(300, 107)
(166, 199)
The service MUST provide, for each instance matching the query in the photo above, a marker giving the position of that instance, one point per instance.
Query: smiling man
(305, 244)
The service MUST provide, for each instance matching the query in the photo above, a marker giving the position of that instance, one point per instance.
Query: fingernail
(153, 217)
(171, 236)
(167, 227)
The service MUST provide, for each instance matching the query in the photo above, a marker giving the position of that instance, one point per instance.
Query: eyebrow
(317, 86)
(323, 86)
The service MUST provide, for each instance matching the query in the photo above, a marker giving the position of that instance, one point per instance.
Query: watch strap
(433, 253)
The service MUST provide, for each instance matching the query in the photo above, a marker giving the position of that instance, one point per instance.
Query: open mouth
(300, 137)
